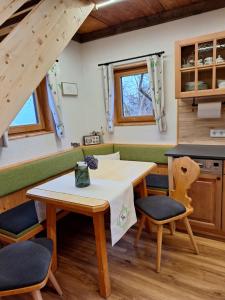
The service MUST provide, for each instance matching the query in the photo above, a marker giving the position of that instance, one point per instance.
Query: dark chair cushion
(157, 181)
(19, 218)
(160, 207)
(24, 264)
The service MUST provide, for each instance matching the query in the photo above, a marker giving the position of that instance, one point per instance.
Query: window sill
(135, 123)
(28, 134)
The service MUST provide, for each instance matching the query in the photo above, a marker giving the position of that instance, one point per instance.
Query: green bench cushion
(149, 153)
(98, 149)
(27, 174)
(30, 173)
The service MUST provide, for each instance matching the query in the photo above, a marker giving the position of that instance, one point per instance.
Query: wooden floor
(184, 276)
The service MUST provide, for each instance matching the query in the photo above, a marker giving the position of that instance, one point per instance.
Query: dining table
(115, 171)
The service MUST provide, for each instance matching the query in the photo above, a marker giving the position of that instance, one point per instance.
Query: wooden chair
(25, 267)
(161, 210)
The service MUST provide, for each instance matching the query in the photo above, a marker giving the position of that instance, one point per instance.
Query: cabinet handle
(218, 178)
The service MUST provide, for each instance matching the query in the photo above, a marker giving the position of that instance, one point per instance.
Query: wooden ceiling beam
(32, 47)
(7, 29)
(23, 11)
(8, 8)
(163, 17)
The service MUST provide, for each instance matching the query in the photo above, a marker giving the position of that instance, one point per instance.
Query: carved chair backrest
(185, 172)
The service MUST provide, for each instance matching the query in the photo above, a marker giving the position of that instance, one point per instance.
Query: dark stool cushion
(160, 207)
(19, 218)
(24, 264)
(157, 181)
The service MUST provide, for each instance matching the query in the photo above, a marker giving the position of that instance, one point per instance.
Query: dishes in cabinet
(200, 62)
(188, 64)
(221, 83)
(189, 61)
(190, 86)
(219, 59)
(208, 60)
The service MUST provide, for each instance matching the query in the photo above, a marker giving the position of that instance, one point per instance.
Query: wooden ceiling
(129, 15)
(126, 15)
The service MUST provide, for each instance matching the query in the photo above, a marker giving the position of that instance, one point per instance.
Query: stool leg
(189, 230)
(159, 247)
(36, 295)
(55, 283)
(140, 228)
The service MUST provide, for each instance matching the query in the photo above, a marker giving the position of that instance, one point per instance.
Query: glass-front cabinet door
(205, 54)
(188, 56)
(187, 69)
(205, 65)
(220, 65)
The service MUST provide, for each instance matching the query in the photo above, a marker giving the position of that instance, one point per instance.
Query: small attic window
(29, 114)
(35, 116)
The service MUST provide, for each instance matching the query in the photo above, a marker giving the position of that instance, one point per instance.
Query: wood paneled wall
(192, 130)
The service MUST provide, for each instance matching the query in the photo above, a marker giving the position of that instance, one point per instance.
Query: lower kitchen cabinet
(206, 194)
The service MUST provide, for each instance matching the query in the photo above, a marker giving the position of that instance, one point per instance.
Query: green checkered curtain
(156, 75)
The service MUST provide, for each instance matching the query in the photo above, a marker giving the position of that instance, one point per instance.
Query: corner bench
(18, 218)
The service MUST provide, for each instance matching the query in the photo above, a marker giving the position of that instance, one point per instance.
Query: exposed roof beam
(6, 30)
(8, 7)
(23, 11)
(166, 16)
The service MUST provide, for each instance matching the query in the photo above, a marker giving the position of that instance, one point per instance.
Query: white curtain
(55, 98)
(156, 75)
(4, 140)
(108, 81)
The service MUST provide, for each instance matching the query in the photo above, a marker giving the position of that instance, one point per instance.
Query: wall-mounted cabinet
(200, 66)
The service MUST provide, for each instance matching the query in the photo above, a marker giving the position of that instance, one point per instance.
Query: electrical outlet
(217, 133)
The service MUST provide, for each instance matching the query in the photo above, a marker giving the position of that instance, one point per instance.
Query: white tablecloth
(119, 194)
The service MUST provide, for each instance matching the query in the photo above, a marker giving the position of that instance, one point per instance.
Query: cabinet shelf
(220, 65)
(204, 67)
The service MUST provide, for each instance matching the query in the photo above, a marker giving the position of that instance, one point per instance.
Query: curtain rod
(121, 60)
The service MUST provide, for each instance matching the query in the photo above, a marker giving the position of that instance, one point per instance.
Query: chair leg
(149, 226)
(141, 225)
(37, 295)
(159, 247)
(189, 230)
(55, 283)
(172, 226)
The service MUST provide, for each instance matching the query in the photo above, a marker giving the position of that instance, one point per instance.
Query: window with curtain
(133, 103)
(35, 115)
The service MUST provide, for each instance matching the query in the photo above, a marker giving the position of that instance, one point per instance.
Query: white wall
(85, 113)
(140, 42)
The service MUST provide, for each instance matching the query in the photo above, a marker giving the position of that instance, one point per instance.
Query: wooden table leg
(51, 232)
(101, 250)
(143, 188)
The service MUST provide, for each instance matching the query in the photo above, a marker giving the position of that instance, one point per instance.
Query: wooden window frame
(119, 119)
(45, 123)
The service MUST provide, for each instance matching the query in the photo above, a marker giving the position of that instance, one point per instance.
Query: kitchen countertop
(198, 151)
